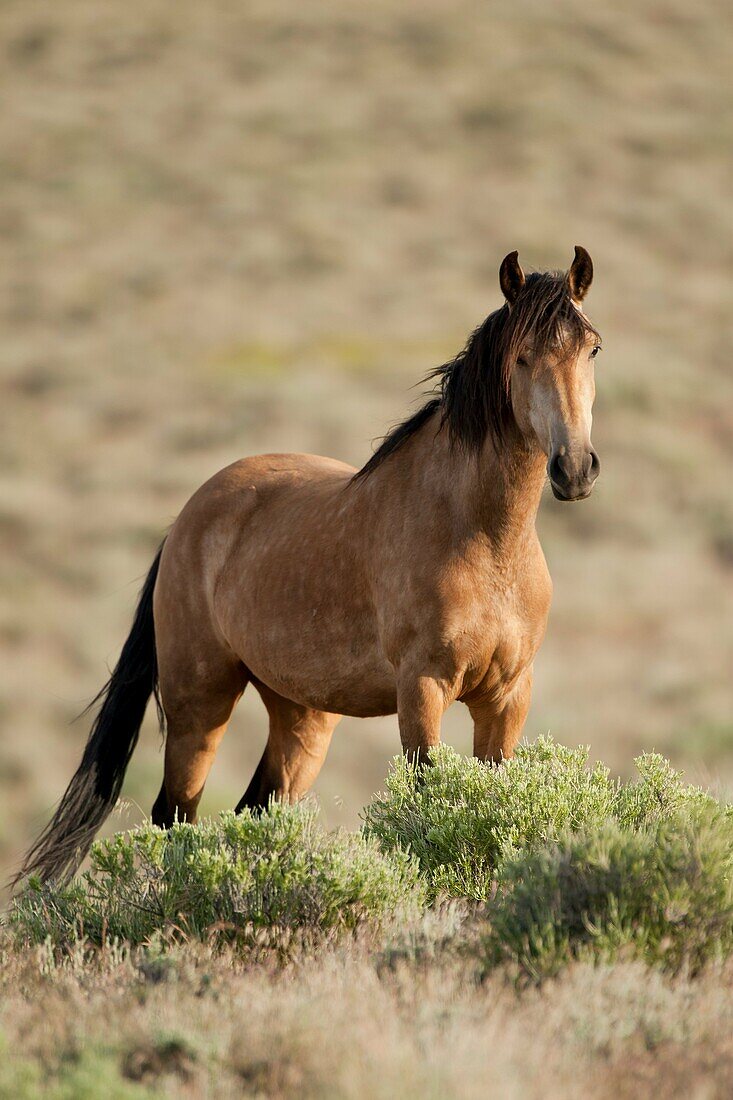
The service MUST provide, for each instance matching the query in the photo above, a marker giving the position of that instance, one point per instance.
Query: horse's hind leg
(296, 748)
(198, 701)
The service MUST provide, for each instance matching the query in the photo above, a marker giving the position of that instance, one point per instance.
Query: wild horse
(403, 586)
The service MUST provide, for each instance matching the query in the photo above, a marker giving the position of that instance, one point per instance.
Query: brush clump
(230, 878)
(541, 862)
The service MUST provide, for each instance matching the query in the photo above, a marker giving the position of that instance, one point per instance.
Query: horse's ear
(511, 277)
(580, 275)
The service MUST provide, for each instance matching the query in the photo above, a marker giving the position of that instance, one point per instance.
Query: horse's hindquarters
(268, 563)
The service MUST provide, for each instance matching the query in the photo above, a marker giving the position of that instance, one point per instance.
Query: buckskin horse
(403, 586)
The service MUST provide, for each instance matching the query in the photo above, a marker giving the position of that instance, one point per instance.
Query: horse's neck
(505, 494)
(494, 498)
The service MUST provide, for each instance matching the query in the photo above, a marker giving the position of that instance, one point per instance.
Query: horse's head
(552, 385)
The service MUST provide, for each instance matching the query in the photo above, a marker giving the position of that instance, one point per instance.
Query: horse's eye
(595, 351)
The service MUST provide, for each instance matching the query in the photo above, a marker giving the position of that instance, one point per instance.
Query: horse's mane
(471, 392)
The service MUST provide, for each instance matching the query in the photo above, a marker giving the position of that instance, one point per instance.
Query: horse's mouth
(560, 495)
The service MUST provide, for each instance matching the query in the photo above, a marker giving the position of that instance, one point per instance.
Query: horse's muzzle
(573, 478)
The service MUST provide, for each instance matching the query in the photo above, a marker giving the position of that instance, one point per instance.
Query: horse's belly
(328, 658)
(325, 682)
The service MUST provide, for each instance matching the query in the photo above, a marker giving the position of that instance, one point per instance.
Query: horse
(401, 587)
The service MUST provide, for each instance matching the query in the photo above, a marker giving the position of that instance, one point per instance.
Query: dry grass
(341, 1025)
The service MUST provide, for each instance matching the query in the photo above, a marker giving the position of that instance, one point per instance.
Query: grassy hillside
(234, 228)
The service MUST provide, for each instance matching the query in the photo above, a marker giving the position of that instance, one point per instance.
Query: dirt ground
(237, 228)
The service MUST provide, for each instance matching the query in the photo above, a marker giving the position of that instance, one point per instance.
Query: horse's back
(268, 474)
(221, 508)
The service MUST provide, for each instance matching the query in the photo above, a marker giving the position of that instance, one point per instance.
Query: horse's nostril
(591, 465)
(557, 472)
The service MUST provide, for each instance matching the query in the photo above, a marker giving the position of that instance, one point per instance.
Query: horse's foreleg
(421, 702)
(198, 705)
(296, 748)
(498, 724)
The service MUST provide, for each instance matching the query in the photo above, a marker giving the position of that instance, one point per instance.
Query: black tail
(95, 788)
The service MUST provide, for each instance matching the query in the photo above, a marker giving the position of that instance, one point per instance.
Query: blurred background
(237, 227)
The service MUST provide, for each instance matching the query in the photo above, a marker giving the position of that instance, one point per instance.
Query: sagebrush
(536, 863)
(231, 876)
(464, 820)
(662, 893)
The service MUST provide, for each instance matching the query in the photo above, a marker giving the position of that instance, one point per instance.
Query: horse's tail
(95, 787)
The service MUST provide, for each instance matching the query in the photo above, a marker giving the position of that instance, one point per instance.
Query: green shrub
(237, 874)
(658, 794)
(464, 819)
(566, 862)
(663, 893)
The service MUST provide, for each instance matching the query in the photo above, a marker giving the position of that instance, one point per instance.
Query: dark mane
(471, 392)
